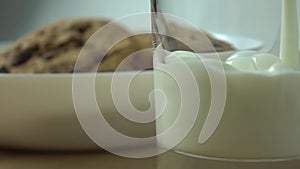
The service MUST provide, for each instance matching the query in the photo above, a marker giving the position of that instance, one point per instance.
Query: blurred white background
(18, 17)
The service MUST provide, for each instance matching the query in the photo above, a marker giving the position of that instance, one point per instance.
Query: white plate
(36, 111)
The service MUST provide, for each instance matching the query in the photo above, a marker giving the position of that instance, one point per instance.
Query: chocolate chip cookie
(55, 48)
(180, 37)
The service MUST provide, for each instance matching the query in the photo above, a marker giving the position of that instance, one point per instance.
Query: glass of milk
(227, 81)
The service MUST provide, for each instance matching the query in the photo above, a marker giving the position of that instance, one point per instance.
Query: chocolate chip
(217, 45)
(22, 56)
(82, 30)
(3, 69)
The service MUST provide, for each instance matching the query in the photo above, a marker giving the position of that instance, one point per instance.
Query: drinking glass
(227, 77)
